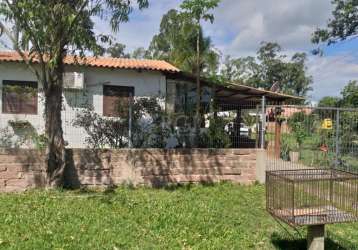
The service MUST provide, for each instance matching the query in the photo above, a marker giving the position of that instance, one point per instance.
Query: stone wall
(21, 169)
(24, 169)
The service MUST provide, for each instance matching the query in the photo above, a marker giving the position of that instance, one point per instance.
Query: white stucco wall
(145, 83)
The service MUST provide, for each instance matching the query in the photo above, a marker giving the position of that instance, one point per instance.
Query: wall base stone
(25, 169)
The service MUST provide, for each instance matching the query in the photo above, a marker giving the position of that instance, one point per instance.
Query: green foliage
(148, 129)
(249, 120)
(343, 25)
(21, 133)
(139, 53)
(348, 98)
(220, 216)
(270, 66)
(23, 92)
(288, 144)
(176, 43)
(199, 9)
(329, 101)
(117, 50)
(302, 125)
(54, 27)
(350, 95)
(40, 141)
(215, 136)
(50, 30)
(6, 138)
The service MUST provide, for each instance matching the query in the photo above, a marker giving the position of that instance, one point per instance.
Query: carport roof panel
(235, 92)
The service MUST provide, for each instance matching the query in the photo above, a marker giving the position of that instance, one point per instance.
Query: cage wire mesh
(312, 196)
(312, 164)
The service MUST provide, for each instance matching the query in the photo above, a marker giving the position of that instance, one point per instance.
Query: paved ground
(279, 164)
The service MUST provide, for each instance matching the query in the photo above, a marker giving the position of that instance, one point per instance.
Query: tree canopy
(176, 43)
(117, 50)
(329, 101)
(343, 25)
(348, 98)
(269, 67)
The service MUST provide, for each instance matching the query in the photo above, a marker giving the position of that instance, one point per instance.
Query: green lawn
(224, 216)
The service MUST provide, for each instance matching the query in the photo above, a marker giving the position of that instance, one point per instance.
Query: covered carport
(237, 99)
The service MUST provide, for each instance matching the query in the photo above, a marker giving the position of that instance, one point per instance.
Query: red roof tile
(102, 62)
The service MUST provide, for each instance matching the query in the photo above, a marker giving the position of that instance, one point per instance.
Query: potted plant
(289, 148)
(294, 152)
(299, 130)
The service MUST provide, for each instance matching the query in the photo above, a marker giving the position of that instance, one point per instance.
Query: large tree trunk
(55, 151)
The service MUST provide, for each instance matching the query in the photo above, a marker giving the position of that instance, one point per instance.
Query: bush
(148, 126)
(288, 144)
(215, 136)
(302, 125)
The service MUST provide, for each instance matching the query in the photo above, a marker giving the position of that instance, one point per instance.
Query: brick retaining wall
(24, 169)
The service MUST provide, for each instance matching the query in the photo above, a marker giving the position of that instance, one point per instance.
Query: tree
(348, 98)
(270, 66)
(329, 101)
(295, 80)
(198, 10)
(55, 29)
(139, 53)
(350, 95)
(243, 70)
(176, 43)
(117, 50)
(343, 25)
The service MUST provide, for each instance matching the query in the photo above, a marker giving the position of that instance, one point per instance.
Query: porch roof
(236, 93)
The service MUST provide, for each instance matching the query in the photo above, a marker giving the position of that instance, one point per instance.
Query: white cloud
(240, 26)
(331, 74)
(142, 25)
(249, 22)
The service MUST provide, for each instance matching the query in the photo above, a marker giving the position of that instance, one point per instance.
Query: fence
(306, 137)
(139, 122)
(312, 165)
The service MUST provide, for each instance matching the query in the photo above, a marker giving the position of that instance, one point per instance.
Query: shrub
(148, 126)
(215, 136)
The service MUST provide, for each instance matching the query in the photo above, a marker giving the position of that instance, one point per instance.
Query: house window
(116, 100)
(19, 97)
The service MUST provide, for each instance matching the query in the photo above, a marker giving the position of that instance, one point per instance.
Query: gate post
(263, 122)
(261, 154)
(337, 137)
(315, 237)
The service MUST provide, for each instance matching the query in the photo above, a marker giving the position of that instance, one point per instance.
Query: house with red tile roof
(100, 82)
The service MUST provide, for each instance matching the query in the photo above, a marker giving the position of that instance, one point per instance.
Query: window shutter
(19, 97)
(116, 100)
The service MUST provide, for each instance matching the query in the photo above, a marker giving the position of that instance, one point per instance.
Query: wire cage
(312, 196)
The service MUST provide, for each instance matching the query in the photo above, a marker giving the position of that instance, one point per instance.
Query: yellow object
(327, 124)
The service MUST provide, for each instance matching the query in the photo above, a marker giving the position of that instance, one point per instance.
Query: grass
(223, 216)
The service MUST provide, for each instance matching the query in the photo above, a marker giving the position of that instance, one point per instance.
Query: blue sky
(240, 26)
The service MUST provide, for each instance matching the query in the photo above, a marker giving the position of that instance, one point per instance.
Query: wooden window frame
(109, 98)
(22, 109)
